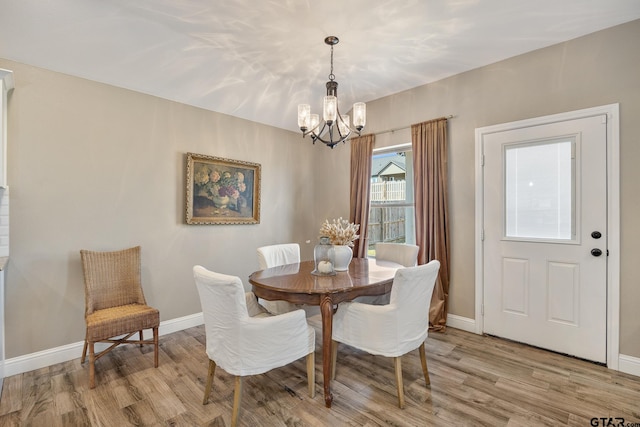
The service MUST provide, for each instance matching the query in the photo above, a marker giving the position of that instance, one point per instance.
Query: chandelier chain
(331, 75)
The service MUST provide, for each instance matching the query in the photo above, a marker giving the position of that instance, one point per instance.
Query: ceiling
(259, 59)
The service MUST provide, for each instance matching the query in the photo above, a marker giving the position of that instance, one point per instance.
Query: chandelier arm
(351, 129)
(316, 135)
(330, 142)
(343, 138)
(313, 131)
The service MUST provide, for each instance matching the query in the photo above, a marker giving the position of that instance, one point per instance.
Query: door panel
(544, 194)
(515, 292)
(564, 293)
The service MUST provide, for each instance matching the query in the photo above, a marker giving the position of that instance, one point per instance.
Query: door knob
(596, 252)
(596, 235)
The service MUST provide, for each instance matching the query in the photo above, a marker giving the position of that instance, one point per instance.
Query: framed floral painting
(222, 191)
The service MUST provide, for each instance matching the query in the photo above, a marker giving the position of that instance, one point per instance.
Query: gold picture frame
(222, 191)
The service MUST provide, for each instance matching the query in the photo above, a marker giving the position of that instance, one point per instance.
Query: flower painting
(222, 191)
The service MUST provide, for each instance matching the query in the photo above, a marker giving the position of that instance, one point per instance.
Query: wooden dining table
(296, 284)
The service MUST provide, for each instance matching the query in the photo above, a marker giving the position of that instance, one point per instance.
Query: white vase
(343, 255)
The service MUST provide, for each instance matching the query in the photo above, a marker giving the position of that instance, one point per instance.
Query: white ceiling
(259, 59)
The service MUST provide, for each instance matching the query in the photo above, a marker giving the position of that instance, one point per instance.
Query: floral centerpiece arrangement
(340, 231)
(221, 187)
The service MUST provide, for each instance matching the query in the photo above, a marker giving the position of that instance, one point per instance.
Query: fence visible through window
(387, 223)
(388, 191)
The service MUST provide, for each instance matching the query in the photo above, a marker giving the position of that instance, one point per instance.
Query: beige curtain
(361, 152)
(429, 144)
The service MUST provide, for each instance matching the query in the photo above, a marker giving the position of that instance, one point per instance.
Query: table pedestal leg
(326, 309)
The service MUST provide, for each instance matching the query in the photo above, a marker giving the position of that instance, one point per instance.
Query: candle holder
(324, 258)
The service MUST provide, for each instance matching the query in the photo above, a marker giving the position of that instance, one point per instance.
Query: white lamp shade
(330, 110)
(304, 111)
(343, 124)
(314, 123)
(359, 115)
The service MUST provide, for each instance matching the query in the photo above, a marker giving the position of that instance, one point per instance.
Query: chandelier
(336, 127)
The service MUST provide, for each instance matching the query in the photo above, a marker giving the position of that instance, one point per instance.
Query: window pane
(539, 199)
(391, 214)
(393, 224)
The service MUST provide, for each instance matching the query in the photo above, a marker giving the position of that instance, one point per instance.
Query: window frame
(409, 202)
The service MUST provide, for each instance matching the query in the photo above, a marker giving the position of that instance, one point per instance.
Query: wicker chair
(114, 303)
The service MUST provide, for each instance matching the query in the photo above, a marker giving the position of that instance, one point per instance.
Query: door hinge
(482, 160)
(607, 252)
(482, 235)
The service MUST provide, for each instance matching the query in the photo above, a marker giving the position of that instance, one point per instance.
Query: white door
(545, 236)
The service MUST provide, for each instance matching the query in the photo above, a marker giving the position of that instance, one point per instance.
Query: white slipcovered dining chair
(274, 256)
(394, 329)
(243, 339)
(400, 253)
(403, 254)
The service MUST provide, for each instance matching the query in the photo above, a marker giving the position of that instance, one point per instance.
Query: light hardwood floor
(475, 380)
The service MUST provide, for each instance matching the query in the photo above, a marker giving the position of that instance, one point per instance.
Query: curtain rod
(408, 127)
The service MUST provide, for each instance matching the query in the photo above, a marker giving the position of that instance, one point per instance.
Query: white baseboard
(463, 323)
(40, 359)
(629, 364)
(181, 323)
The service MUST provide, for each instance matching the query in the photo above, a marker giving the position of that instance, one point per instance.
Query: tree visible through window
(391, 212)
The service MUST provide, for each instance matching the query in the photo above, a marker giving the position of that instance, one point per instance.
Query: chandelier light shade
(335, 127)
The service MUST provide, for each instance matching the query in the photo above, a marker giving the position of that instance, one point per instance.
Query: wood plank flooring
(475, 381)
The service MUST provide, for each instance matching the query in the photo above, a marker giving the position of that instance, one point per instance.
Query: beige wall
(93, 166)
(98, 167)
(598, 69)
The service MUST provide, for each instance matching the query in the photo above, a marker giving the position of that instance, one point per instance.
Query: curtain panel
(361, 152)
(429, 145)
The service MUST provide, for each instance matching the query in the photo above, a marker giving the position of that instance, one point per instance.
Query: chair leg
(207, 388)
(237, 395)
(311, 374)
(155, 344)
(142, 339)
(84, 350)
(334, 357)
(92, 366)
(398, 365)
(423, 359)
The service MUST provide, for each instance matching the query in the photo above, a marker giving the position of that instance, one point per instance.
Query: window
(539, 190)
(391, 212)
